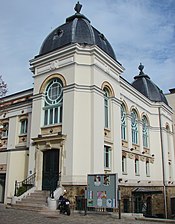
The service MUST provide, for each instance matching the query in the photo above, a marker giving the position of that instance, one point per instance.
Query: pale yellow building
(82, 117)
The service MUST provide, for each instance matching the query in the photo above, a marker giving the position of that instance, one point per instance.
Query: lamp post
(119, 202)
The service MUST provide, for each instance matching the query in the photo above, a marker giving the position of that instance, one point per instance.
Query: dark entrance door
(149, 206)
(126, 205)
(2, 187)
(173, 207)
(138, 203)
(50, 169)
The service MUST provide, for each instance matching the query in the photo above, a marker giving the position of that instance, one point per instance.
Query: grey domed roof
(144, 85)
(77, 29)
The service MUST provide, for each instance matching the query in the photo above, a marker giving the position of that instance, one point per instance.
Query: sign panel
(102, 190)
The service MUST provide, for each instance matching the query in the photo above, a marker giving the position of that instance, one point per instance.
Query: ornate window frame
(53, 102)
(123, 123)
(134, 127)
(145, 131)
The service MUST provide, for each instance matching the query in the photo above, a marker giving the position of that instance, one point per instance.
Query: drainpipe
(163, 166)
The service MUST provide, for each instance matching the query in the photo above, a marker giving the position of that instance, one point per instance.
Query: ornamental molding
(142, 158)
(131, 155)
(53, 65)
(3, 167)
(103, 66)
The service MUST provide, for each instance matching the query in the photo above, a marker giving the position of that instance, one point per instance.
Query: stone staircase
(36, 201)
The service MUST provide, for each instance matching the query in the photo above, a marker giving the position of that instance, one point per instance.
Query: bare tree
(3, 91)
(3, 87)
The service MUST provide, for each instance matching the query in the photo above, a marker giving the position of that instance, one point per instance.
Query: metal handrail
(52, 187)
(22, 186)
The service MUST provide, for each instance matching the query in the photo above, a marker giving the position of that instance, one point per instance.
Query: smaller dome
(145, 86)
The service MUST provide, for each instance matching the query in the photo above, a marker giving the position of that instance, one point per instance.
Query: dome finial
(78, 7)
(141, 67)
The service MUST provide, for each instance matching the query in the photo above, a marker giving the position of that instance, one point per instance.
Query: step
(38, 195)
(29, 208)
(31, 202)
(21, 203)
(34, 200)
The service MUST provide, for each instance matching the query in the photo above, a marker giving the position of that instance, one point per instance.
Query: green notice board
(102, 190)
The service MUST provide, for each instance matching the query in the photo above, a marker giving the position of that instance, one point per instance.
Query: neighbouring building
(82, 117)
(171, 101)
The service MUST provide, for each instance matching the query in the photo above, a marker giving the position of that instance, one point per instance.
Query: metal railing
(54, 185)
(23, 186)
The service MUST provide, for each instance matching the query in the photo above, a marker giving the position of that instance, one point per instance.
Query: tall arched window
(145, 132)
(134, 127)
(106, 107)
(123, 122)
(53, 102)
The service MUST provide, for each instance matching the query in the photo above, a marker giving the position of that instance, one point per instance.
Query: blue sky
(138, 30)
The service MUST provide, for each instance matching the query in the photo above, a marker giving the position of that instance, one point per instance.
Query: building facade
(82, 117)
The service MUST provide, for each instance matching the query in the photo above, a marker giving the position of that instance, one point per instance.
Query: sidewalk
(157, 220)
(14, 216)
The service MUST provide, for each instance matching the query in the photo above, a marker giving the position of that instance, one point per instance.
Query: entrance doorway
(149, 206)
(2, 187)
(138, 203)
(50, 169)
(173, 207)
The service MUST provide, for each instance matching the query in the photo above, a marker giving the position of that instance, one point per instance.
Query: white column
(140, 136)
(171, 145)
(36, 123)
(165, 155)
(97, 134)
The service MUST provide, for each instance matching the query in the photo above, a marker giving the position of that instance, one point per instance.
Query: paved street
(13, 216)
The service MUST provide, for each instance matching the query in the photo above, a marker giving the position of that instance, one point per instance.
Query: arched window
(106, 107)
(145, 132)
(53, 102)
(134, 127)
(123, 122)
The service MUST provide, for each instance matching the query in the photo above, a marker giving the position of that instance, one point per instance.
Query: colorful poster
(102, 190)
(106, 180)
(99, 202)
(101, 194)
(97, 180)
(109, 203)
